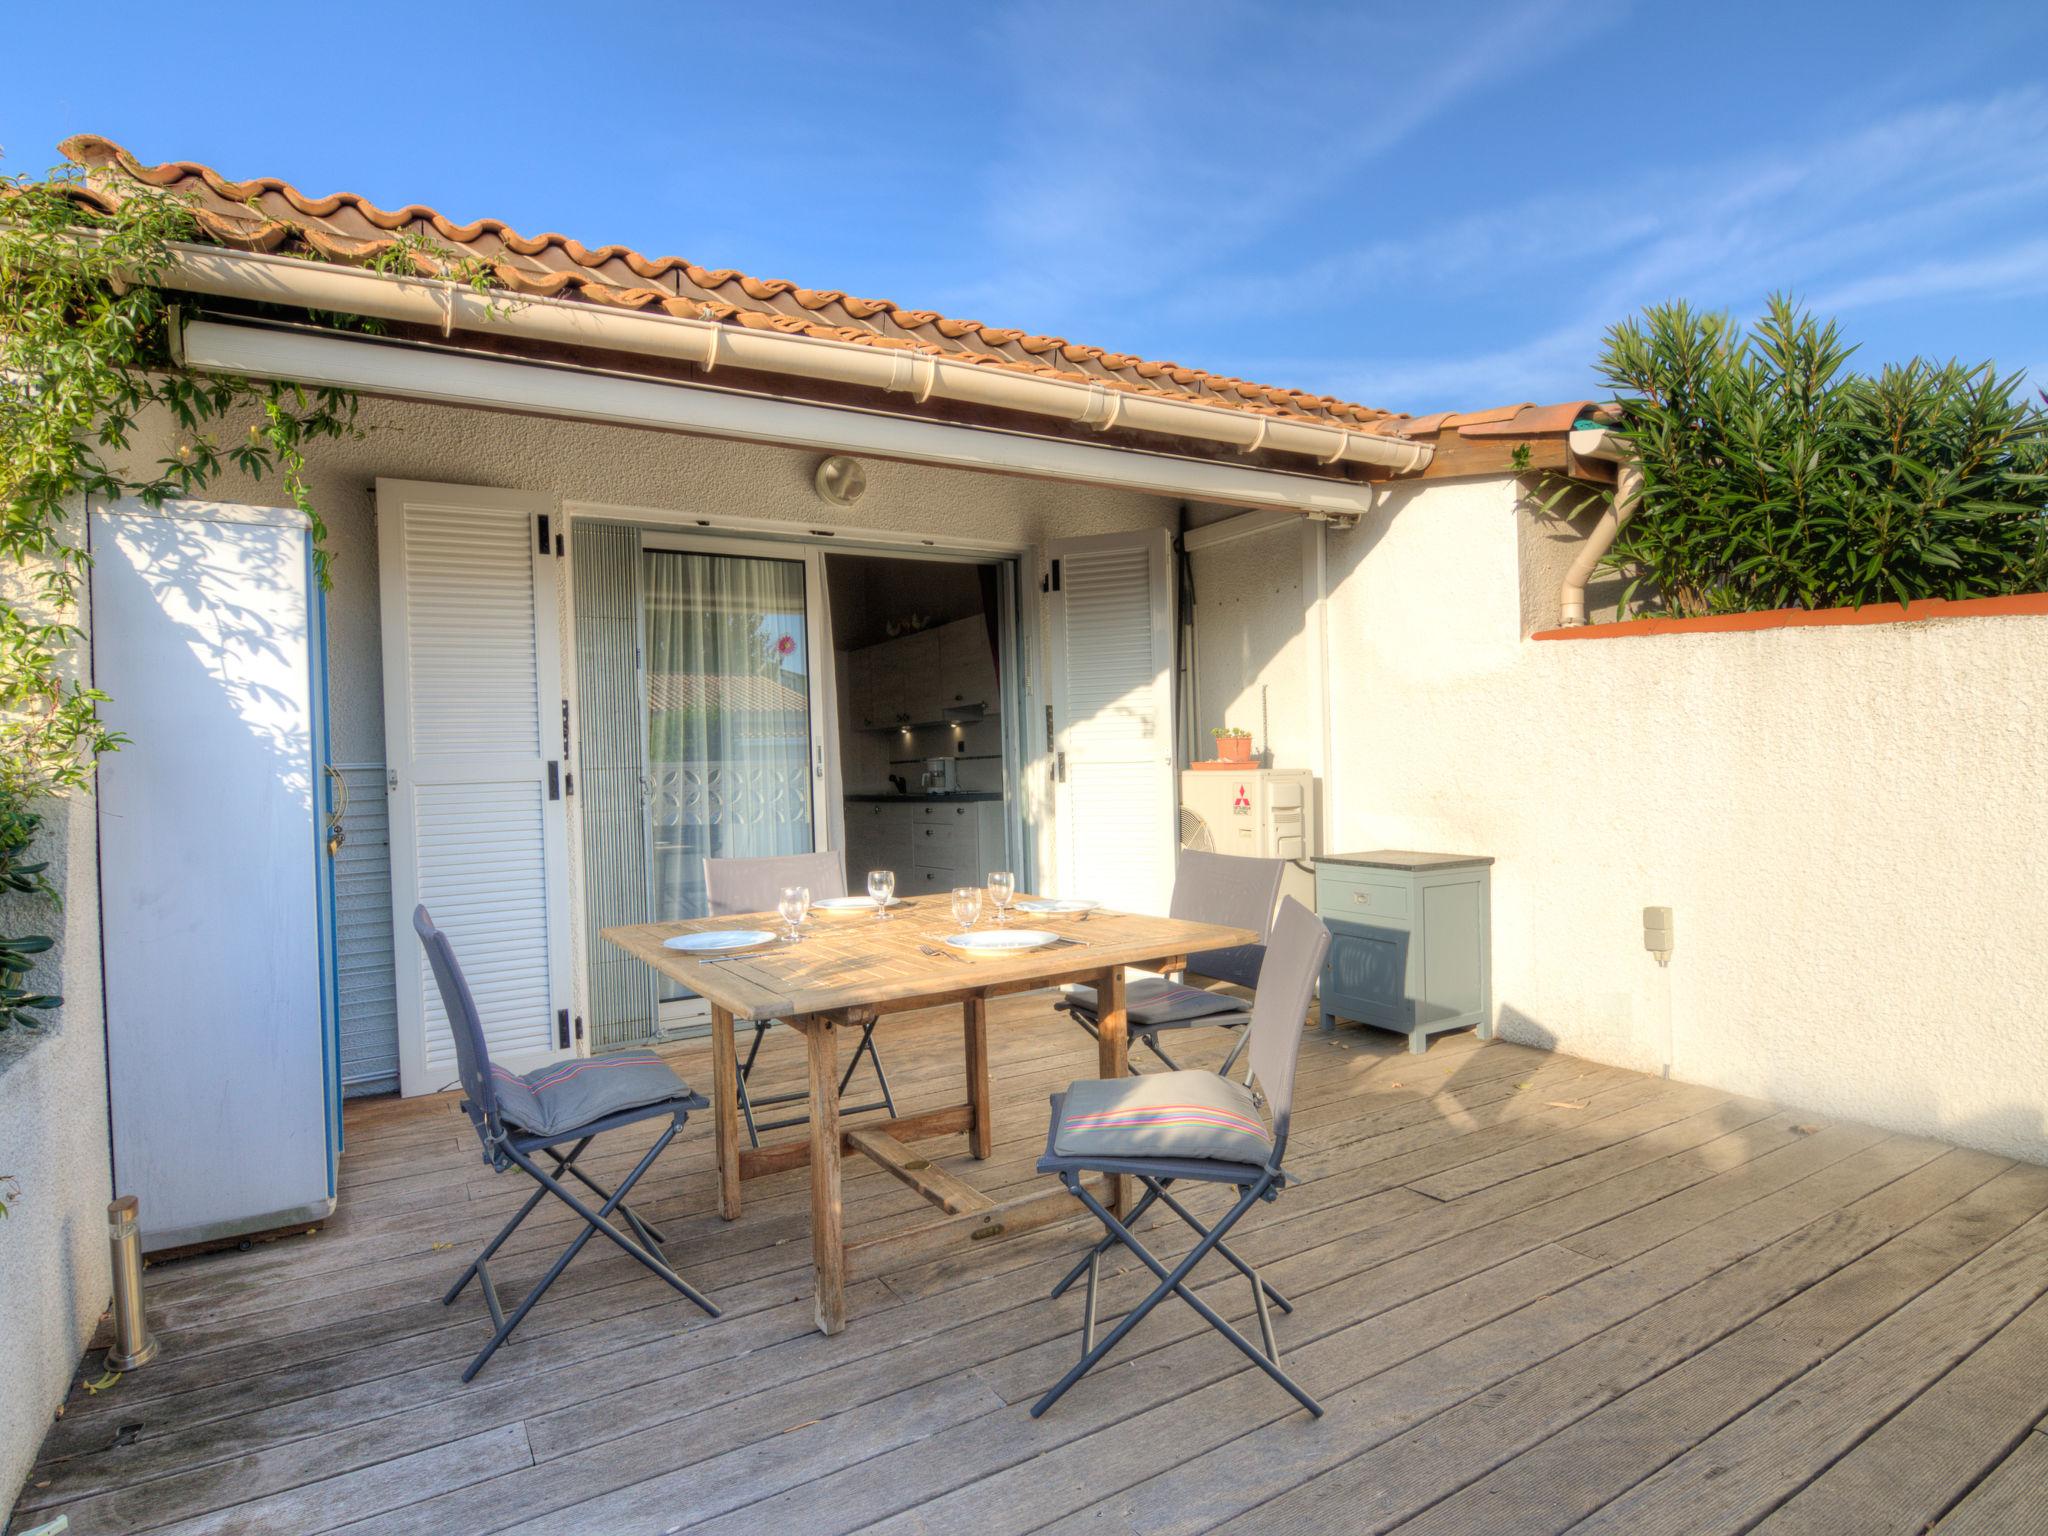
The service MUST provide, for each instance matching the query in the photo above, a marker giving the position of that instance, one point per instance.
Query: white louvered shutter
(473, 741)
(1112, 691)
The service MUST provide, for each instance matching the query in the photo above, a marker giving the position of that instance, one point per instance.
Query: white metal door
(218, 1068)
(1111, 616)
(473, 723)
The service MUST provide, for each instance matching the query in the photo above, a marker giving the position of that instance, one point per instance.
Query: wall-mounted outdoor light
(840, 480)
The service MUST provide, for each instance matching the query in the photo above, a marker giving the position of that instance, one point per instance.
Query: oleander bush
(1776, 476)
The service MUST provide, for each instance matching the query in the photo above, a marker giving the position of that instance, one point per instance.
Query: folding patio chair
(1172, 1127)
(572, 1101)
(755, 885)
(1207, 888)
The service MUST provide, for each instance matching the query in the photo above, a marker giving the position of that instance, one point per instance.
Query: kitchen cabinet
(933, 845)
(968, 665)
(924, 690)
(860, 688)
(914, 679)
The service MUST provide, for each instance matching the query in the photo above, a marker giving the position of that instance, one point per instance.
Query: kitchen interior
(922, 757)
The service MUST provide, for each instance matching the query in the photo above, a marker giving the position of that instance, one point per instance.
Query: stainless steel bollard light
(133, 1343)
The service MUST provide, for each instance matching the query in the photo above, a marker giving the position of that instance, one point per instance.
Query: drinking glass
(794, 903)
(967, 905)
(882, 891)
(1002, 890)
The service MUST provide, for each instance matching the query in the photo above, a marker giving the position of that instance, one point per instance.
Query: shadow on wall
(207, 620)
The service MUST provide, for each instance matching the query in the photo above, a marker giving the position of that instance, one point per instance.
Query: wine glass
(967, 905)
(793, 904)
(882, 891)
(1002, 890)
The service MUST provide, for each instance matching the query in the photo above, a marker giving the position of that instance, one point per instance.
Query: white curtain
(728, 668)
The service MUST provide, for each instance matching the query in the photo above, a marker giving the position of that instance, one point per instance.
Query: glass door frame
(688, 1012)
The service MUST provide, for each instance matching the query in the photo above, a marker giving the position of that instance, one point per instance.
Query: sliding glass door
(733, 700)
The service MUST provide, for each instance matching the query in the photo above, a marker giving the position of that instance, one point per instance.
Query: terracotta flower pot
(1233, 749)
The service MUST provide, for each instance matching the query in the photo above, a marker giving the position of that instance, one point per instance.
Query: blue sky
(1444, 208)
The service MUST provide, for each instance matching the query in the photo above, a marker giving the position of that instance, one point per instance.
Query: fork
(928, 949)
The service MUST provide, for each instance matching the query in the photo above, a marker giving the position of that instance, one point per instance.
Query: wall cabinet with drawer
(877, 837)
(1410, 941)
(933, 845)
(915, 679)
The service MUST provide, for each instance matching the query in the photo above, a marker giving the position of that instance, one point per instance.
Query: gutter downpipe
(449, 307)
(1600, 443)
(1325, 694)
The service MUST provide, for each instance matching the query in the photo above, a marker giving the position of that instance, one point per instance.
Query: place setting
(969, 942)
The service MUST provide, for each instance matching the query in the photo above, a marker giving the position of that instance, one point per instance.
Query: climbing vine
(86, 354)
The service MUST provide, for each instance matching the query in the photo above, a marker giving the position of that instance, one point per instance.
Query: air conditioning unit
(1259, 813)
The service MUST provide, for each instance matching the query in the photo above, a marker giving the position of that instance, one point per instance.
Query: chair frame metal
(1299, 941)
(505, 1147)
(1212, 888)
(736, 886)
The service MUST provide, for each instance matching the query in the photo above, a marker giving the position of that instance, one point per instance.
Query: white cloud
(2016, 269)
(1813, 218)
(1130, 175)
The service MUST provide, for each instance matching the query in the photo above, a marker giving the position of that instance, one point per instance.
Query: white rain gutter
(713, 345)
(490, 382)
(1600, 443)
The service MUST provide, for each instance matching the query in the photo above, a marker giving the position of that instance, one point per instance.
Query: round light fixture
(840, 480)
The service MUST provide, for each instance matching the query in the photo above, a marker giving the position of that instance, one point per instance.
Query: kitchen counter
(890, 798)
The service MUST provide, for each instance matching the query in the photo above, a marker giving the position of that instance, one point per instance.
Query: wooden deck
(1536, 1295)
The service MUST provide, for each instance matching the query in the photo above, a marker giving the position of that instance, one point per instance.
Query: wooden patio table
(850, 970)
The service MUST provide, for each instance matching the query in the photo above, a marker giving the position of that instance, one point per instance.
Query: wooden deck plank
(405, 1351)
(1933, 1452)
(357, 1495)
(2009, 1502)
(1032, 1469)
(1213, 1453)
(1753, 1464)
(1529, 1287)
(1417, 1476)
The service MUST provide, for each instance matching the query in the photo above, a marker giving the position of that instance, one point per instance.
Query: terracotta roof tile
(1528, 419)
(264, 214)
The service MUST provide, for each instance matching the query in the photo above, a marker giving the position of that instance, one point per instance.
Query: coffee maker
(939, 776)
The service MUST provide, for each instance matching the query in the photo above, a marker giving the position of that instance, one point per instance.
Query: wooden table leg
(1112, 1053)
(981, 1129)
(725, 1109)
(828, 1243)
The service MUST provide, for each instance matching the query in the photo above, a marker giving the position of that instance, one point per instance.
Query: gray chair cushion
(1155, 1000)
(1194, 1115)
(571, 1094)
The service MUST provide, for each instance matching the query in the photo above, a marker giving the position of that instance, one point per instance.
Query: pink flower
(786, 645)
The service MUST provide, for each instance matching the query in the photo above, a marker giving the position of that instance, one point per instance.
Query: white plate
(721, 939)
(1067, 907)
(995, 943)
(848, 906)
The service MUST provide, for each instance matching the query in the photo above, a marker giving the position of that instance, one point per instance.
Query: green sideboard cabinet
(1411, 946)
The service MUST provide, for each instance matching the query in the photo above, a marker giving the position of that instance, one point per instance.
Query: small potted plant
(1232, 744)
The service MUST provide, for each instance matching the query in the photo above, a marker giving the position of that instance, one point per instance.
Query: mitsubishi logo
(1242, 805)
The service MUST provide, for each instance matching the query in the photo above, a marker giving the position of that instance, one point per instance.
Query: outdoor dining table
(848, 971)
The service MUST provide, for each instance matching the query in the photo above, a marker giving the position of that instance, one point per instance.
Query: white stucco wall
(54, 1149)
(631, 468)
(1851, 824)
